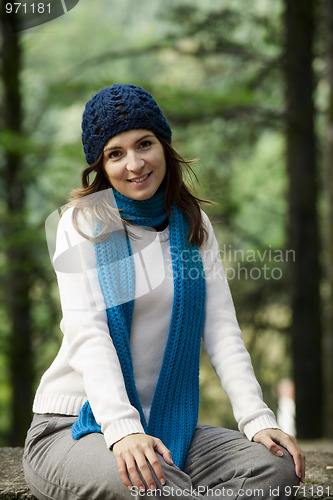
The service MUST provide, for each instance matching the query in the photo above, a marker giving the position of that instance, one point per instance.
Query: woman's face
(134, 163)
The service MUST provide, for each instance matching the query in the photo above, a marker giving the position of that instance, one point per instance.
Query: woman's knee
(56, 466)
(275, 474)
(285, 470)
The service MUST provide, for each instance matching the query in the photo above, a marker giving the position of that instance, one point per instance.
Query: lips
(137, 180)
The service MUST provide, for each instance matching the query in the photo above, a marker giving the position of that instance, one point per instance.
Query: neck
(150, 212)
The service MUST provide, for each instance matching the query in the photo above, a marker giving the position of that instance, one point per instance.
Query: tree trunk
(16, 239)
(303, 220)
(328, 339)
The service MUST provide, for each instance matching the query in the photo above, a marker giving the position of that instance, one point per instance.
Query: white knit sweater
(87, 366)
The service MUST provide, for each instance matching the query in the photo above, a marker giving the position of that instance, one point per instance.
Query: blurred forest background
(248, 89)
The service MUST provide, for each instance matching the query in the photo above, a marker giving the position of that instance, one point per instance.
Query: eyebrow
(136, 142)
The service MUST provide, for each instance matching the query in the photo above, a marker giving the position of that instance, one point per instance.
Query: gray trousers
(221, 463)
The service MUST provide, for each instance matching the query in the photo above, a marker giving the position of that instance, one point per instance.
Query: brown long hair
(177, 192)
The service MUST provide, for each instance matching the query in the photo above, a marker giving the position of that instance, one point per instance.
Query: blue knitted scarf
(174, 410)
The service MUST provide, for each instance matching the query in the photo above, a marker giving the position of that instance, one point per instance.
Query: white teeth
(140, 179)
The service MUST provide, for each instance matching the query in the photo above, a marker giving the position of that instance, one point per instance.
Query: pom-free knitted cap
(117, 109)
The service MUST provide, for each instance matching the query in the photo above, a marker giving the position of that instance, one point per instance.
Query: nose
(134, 162)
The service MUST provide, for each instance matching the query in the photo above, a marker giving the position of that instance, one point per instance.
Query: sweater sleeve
(223, 342)
(91, 352)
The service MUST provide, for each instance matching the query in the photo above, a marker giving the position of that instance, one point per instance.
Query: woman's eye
(145, 144)
(114, 155)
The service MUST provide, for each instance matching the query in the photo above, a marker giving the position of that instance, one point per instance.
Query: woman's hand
(271, 438)
(133, 452)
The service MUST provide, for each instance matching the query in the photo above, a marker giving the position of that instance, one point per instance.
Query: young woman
(141, 283)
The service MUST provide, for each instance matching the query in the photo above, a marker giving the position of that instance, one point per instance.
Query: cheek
(159, 162)
(111, 171)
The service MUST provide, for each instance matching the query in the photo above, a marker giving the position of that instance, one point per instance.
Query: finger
(123, 472)
(303, 467)
(164, 451)
(271, 445)
(299, 460)
(144, 469)
(156, 466)
(298, 456)
(131, 465)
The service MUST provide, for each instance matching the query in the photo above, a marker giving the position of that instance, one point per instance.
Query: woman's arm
(224, 344)
(89, 347)
(223, 341)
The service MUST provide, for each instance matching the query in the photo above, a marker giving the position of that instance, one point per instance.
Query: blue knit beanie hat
(117, 109)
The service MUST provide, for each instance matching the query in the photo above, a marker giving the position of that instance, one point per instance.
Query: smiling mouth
(137, 180)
